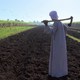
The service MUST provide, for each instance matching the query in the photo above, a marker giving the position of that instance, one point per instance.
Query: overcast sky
(30, 10)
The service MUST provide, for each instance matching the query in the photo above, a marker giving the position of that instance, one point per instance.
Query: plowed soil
(25, 56)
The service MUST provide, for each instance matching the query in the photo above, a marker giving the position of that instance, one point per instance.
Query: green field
(8, 31)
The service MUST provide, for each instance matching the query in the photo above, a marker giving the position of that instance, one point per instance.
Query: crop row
(74, 32)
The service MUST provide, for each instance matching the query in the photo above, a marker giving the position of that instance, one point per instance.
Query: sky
(38, 10)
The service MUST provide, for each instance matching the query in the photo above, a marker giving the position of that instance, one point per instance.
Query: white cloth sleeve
(65, 28)
(55, 27)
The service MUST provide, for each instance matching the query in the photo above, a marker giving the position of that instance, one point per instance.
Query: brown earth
(25, 56)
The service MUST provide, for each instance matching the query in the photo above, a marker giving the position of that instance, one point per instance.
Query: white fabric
(58, 53)
(53, 15)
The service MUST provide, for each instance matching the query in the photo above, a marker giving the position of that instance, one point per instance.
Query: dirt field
(25, 57)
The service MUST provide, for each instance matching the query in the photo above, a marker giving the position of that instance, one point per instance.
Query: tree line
(9, 23)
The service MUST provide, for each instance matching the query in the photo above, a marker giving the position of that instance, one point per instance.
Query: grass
(74, 38)
(9, 31)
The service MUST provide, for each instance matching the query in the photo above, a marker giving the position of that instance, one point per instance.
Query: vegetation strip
(9, 31)
(75, 30)
(74, 38)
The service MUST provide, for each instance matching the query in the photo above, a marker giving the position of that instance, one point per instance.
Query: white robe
(58, 54)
